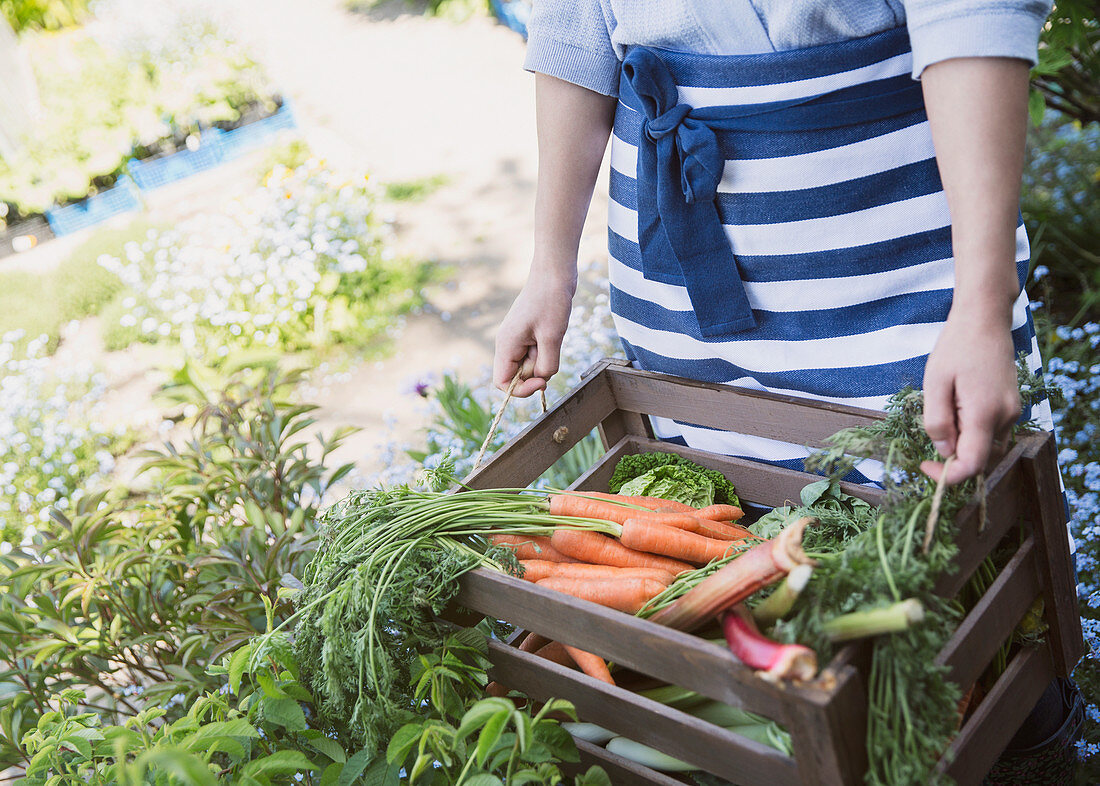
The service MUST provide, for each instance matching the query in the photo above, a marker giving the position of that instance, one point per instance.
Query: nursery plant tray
(826, 719)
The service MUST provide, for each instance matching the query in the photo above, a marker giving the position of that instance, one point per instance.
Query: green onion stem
(861, 624)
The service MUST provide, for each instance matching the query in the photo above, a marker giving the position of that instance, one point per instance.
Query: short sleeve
(943, 29)
(572, 41)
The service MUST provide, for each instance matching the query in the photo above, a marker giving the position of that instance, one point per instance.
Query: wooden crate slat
(534, 449)
(1005, 507)
(1055, 561)
(998, 717)
(596, 477)
(993, 619)
(639, 645)
(622, 772)
(683, 736)
(829, 737)
(787, 418)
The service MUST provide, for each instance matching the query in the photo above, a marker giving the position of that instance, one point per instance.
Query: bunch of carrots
(653, 543)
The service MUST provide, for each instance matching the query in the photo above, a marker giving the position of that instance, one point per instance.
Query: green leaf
(1036, 107)
(522, 721)
(355, 766)
(284, 712)
(595, 776)
(267, 684)
(476, 717)
(812, 492)
(490, 735)
(485, 779)
(182, 765)
(329, 747)
(237, 666)
(279, 762)
(402, 743)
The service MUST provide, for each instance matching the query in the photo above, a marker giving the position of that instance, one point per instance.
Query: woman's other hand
(971, 398)
(977, 110)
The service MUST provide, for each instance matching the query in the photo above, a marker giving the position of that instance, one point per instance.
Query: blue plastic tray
(122, 198)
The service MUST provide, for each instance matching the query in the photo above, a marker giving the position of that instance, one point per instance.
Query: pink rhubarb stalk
(772, 660)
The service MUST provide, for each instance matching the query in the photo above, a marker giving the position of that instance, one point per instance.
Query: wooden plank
(1055, 561)
(622, 772)
(672, 731)
(532, 451)
(998, 717)
(596, 477)
(829, 736)
(795, 420)
(621, 423)
(670, 655)
(993, 618)
(1005, 507)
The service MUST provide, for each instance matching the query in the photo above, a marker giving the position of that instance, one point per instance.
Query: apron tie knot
(679, 231)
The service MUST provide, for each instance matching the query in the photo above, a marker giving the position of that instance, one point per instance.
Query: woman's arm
(574, 124)
(977, 109)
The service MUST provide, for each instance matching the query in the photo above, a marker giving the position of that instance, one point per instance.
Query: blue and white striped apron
(777, 222)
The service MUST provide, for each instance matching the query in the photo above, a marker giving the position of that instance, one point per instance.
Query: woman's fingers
(532, 330)
(939, 413)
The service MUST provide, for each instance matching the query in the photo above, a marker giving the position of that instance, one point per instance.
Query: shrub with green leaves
(131, 600)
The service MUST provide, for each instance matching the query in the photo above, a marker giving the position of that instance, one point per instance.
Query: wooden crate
(827, 723)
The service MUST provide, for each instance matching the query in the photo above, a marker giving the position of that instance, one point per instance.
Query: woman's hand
(533, 328)
(971, 398)
(977, 110)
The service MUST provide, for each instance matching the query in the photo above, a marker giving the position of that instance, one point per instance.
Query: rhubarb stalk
(772, 660)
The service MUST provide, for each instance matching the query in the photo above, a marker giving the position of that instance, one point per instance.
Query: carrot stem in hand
(594, 547)
(773, 660)
(763, 564)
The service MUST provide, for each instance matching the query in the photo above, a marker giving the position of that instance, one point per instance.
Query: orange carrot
(720, 512)
(536, 569)
(602, 550)
(555, 652)
(532, 642)
(652, 503)
(580, 505)
(592, 665)
(656, 538)
(531, 547)
(627, 595)
(723, 531)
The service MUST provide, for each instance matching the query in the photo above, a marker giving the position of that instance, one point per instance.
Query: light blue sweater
(583, 41)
